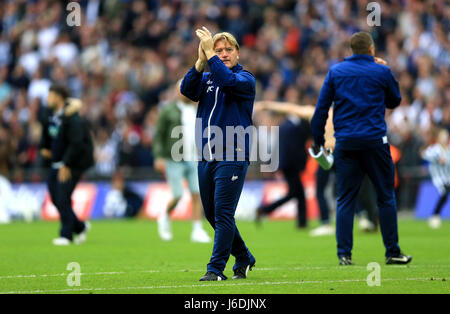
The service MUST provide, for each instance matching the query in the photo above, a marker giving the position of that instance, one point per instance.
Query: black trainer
(345, 260)
(241, 272)
(259, 216)
(210, 276)
(400, 259)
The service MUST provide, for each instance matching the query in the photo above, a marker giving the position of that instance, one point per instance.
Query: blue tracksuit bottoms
(354, 159)
(221, 184)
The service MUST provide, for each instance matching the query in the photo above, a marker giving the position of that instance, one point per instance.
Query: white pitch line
(81, 274)
(325, 268)
(159, 271)
(57, 275)
(266, 283)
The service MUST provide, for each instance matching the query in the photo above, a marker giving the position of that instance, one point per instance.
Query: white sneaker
(164, 228)
(61, 241)
(434, 222)
(366, 225)
(200, 236)
(324, 230)
(82, 237)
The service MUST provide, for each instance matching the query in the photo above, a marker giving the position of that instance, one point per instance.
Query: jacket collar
(360, 57)
(236, 68)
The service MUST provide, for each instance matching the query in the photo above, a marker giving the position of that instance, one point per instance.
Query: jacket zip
(209, 124)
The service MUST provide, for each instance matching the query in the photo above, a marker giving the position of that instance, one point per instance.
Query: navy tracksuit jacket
(361, 90)
(225, 99)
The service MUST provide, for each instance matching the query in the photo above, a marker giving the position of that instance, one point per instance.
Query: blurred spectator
(121, 200)
(5, 186)
(437, 153)
(105, 152)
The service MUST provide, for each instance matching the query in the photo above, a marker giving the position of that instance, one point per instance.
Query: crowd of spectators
(124, 57)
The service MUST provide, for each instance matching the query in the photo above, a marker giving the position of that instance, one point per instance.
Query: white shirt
(66, 53)
(188, 116)
(39, 89)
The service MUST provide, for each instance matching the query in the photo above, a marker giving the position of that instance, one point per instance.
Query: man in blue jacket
(361, 87)
(225, 95)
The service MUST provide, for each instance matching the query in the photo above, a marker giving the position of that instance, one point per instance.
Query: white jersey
(439, 172)
(188, 116)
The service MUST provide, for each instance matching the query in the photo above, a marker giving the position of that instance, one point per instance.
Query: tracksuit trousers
(221, 184)
(442, 200)
(354, 159)
(322, 178)
(367, 200)
(61, 195)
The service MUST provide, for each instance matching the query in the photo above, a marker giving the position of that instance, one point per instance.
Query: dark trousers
(296, 191)
(442, 201)
(221, 184)
(61, 194)
(354, 159)
(367, 200)
(322, 178)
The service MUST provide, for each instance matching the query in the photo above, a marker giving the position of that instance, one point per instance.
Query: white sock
(164, 216)
(197, 225)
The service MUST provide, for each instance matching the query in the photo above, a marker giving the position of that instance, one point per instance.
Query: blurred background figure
(5, 200)
(121, 200)
(179, 113)
(294, 133)
(437, 153)
(66, 142)
(366, 208)
(105, 153)
(5, 185)
(305, 113)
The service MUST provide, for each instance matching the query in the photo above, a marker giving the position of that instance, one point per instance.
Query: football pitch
(127, 257)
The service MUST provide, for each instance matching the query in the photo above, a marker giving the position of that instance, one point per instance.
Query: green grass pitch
(128, 257)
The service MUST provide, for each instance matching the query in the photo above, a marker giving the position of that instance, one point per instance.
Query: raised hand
(202, 59)
(160, 165)
(201, 53)
(64, 174)
(206, 41)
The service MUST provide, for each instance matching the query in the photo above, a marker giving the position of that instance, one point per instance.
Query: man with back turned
(361, 88)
